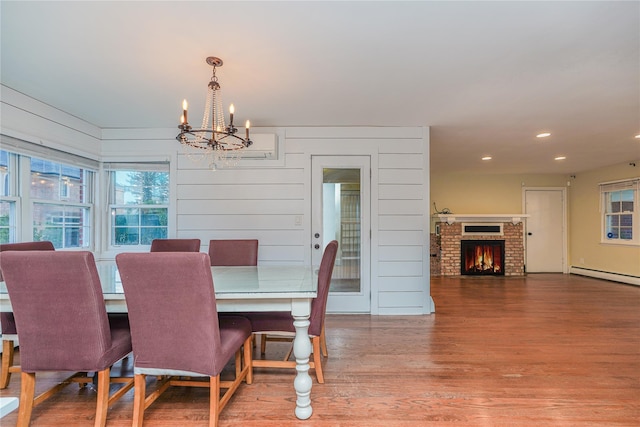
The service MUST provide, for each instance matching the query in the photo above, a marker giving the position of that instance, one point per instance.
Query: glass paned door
(340, 211)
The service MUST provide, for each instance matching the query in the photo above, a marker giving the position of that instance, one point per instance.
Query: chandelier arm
(237, 143)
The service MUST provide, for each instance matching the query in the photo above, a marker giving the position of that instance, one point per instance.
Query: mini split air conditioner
(264, 147)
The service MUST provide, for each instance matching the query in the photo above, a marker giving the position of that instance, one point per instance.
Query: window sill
(628, 243)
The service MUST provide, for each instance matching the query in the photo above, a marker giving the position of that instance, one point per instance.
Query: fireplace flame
(482, 258)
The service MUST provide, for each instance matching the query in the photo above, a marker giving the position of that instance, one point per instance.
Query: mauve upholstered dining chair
(278, 325)
(9, 333)
(62, 322)
(175, 329)
(175, 245)
(233, 252)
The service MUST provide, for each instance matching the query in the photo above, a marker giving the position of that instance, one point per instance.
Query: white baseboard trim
(615, 277)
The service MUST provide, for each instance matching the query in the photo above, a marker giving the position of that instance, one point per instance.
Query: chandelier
(216, 140)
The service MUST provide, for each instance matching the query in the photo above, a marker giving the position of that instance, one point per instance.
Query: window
(46, 194)
(61, 197)
(8, 197)
(138, 203)
(620, 221)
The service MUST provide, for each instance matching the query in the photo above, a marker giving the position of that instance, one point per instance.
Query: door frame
(563, 191)
(337, 303)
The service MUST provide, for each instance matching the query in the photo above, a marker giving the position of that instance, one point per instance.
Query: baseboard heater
(615, 277)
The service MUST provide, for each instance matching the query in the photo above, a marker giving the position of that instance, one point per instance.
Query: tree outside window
(139, 207)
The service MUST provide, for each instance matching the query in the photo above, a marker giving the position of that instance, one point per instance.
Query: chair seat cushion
(120, 346)
(274, 321)
(8, 323)
(234, 330)
(118, 320)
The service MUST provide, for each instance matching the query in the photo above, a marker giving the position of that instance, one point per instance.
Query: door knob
(316, 235)
(317, 246)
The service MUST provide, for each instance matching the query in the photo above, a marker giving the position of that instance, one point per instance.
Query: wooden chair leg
(238, 363)
(214, 400)
(323, 342)
(139, 399)
(248, 361)
(27, 391)
(317, 359)
(7, 363)
(102, 404)
(263, 343)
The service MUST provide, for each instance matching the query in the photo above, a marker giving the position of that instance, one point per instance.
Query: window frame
(109, 176)
(606, 190)
(11, 196)
(87, 206)
(22, 151)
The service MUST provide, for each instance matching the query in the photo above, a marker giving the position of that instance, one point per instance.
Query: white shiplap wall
(243, 203)
(403, 253)
(30, 120)
(399, 206)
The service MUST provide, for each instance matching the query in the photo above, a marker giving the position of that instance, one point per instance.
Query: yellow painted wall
(502, 194)
(584, 229)
(486, 194)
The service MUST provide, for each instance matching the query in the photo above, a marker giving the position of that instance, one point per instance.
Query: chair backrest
(58, 307)
(319, 304)
(172, 311)
(45, 245)
(26, 246)
(175, 245)
(233, 252)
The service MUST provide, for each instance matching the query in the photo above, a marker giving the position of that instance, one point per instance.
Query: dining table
(289, 288)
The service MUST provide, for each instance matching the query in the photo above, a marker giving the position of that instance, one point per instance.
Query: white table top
(232, 284)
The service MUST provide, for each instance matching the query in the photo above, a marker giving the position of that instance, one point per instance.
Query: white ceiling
(485, 76)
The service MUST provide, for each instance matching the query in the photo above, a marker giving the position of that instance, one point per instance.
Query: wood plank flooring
(540, 350)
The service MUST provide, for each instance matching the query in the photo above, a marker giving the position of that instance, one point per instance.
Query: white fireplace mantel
(451, 218)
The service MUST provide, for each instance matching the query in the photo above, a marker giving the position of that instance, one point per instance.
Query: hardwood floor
(545, 350)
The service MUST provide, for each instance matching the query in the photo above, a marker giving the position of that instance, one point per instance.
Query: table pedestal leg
(302, 352)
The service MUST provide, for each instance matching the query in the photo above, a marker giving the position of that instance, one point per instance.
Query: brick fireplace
(453, 229)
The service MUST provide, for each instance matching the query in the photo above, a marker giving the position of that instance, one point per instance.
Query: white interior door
(545, 235)
(341, 210)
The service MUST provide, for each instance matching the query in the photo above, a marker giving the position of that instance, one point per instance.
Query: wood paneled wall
(273, 205)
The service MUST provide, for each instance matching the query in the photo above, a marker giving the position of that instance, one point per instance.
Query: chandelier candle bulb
(231, 111)
(247, 125)
(184, 111)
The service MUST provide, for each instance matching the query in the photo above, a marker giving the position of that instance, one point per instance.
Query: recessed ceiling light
(486, 158)
(543, 135)
(638, 136)
(560, 158)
